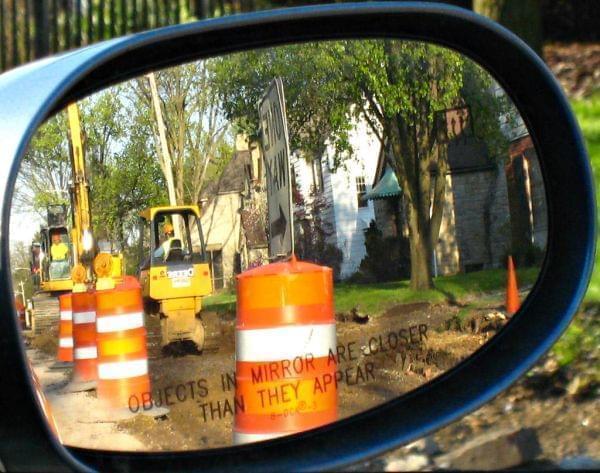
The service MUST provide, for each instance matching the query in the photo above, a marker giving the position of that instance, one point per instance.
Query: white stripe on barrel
(285, 343)
(84, 317)
(65, 342)
(243, 437)
(85, 353)
(122, 369)
(116, 323)
(66, 315)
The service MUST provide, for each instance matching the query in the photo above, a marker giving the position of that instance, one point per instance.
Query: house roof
(386, 187)
(232, 179)
(468, 154)
(465, 154)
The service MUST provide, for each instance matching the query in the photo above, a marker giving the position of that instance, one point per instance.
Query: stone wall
(538, 199)
(475, 228)
(482, 218)
(385, 211)
(446, 250)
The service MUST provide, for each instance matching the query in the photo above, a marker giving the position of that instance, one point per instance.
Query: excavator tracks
(46, 314)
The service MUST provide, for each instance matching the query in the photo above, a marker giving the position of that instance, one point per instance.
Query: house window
(317, 172)
(216, 268)
(237, 263)
(361, 190)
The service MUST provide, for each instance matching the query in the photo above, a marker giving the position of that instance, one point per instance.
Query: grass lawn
(588, 115)
(375, 298)
(583, 335)
(223, 302)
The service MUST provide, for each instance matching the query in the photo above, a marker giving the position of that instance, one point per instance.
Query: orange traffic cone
(512, 291)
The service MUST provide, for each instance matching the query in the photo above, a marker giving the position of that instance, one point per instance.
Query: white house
(235, 238)
(347, 213)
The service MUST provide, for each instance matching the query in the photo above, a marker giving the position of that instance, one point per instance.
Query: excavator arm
(81, 234)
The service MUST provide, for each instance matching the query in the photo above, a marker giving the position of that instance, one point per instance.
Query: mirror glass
(153, 223)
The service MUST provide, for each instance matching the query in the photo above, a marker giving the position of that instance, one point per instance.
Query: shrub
(387, 258)
(361, 277)
(311, 233)
(525, 255)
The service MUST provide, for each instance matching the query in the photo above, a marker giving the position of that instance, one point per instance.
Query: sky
(23, 226)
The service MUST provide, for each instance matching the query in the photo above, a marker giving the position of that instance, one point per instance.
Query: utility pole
(165, 155)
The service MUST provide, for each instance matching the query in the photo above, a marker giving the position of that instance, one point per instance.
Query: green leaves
(397, 87)
(123, 174)
(121, 150)
(311, 80)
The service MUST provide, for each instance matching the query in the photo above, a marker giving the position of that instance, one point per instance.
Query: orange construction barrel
(65, 329)
(121, 340)
(84, 338)
(285, 341)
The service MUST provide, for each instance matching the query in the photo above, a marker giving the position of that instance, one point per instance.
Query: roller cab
(174, 273)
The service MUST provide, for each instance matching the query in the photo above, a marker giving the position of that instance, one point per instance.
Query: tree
(397, 87)
(316, 110)
(400, 86)
(523, 17)
(311, 232)
(45, 172)
(121, 169)
(20, 257)
(196, 130)
(125, 177)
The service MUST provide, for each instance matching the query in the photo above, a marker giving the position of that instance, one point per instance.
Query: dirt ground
(565, 426)
(377, 360)
(576, 66)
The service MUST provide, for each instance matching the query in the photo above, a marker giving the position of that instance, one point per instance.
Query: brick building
(475, 228)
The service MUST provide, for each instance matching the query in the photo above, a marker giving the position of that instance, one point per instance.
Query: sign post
(276, 153)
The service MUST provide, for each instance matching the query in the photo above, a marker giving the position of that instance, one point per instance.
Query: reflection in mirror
(157, 296)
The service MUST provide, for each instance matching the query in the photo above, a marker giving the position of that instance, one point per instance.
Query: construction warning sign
(275, 146)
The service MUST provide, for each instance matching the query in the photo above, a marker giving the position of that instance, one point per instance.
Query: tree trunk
(415, 180)
(42, 32)
(164, 147)
(523, 17)
(420, 252)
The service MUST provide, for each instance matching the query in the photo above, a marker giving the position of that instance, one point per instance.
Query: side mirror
(430, 118)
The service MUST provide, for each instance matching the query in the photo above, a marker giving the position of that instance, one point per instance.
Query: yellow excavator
(175, 275)
(52, 269)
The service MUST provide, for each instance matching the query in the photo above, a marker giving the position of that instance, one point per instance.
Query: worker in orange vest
(163, 250)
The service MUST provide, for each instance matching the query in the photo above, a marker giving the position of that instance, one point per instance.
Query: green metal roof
(386, 187)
